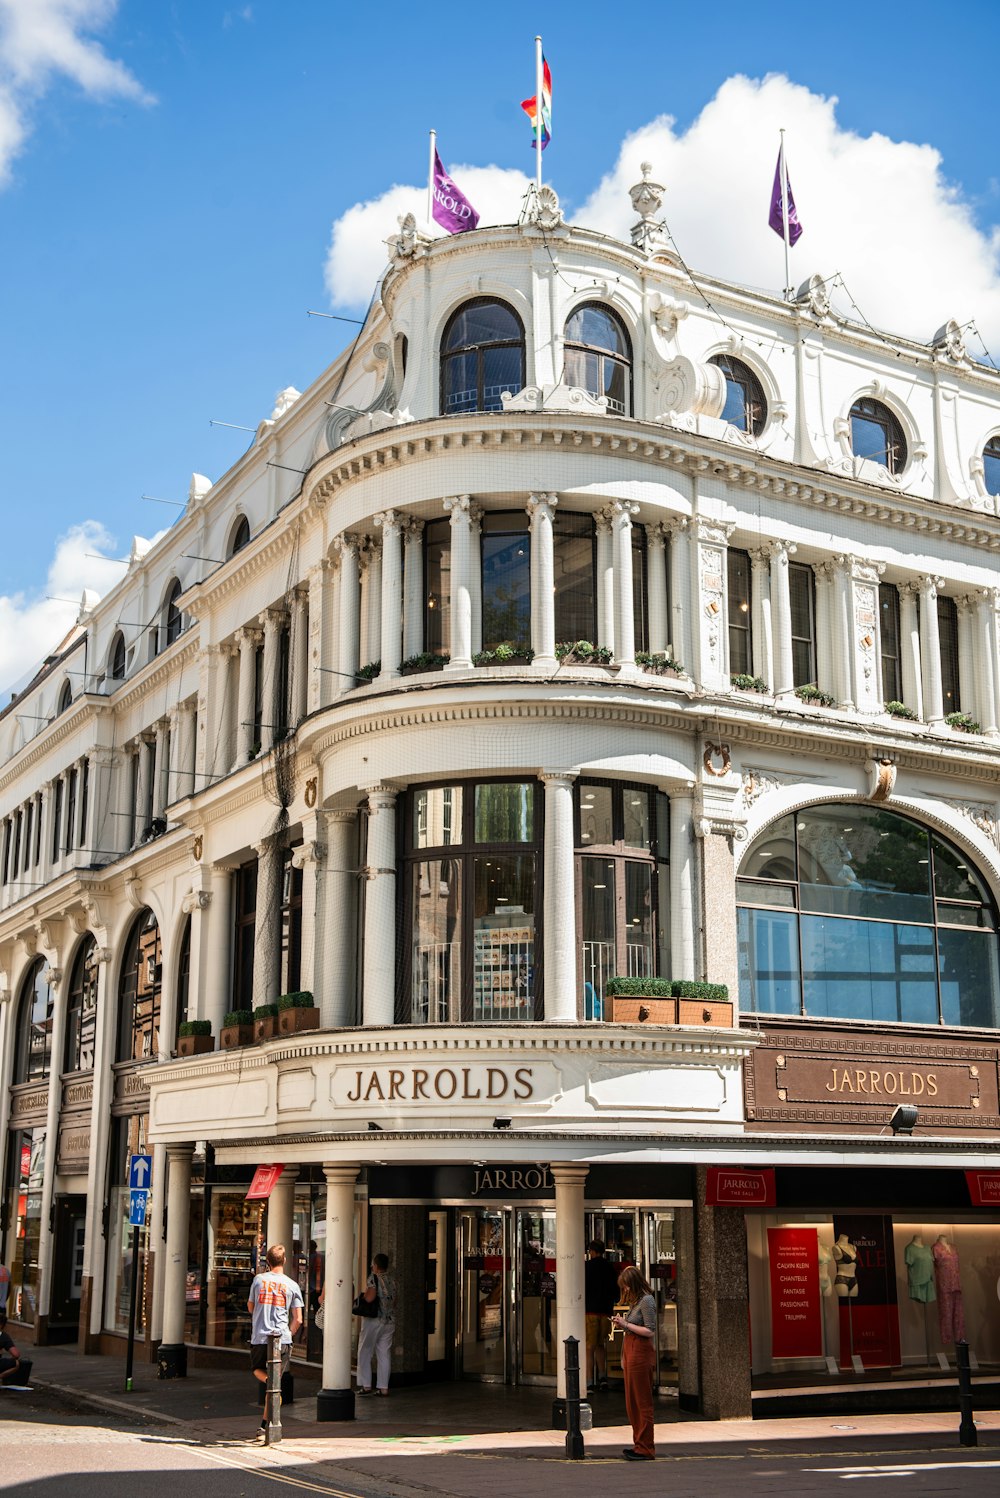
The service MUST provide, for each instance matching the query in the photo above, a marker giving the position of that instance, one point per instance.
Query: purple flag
(775, 219)
(451, 208)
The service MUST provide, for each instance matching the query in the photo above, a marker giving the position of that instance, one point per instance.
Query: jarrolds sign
(822, 1077)
(433, 1084)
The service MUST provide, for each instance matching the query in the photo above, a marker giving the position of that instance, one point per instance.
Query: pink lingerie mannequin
(951, 1315)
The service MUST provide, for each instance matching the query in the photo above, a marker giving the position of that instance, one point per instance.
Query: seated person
(10, 1358)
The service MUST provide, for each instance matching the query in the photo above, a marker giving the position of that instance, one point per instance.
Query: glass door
(535, 1296)
(662, 1276)
(485, 1280)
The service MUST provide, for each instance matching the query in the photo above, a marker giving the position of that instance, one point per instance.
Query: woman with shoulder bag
(638, 1329)
(378, 1329)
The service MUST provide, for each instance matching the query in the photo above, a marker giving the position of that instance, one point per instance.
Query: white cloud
(42, 38)
(32, 626)
(879, 211)
(358, 255)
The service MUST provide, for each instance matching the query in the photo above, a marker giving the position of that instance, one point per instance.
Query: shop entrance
(67, 1268)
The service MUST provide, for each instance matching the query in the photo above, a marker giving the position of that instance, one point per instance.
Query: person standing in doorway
(4, 1287)
(275, 1304)
(601, 1292)
(377, 1332)
(638, 1329)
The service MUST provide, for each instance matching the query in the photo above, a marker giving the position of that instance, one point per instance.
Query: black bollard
(967, 1433)
(574, 1436)
(272, 1402)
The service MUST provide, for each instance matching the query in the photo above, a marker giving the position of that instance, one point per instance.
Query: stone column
(968, 663)
(719, 957)
(299, 657)
(84, 806)
(272, 622)
(183, 735)
(621, 528)
(930, 649)
(370, 558)
(760, 613)
(336, 900)
(215, 997)
(307, 857)
(55, 977)
(570, 1260)
(783, 684)
(267, 923)
(350, 614)
(142, 787)
(247, 639)
(161, 765)
(281, 1214)
(126, 819)
(391, 652)
(723, 1298)
(541, 508)
(413, 587)
(656, 563)
(559, 951)
(680, 593)
(335, 1400)
(682, 885)
(476, 575)
(379, 987)
(863, 633)
(988, 661)
(172, 1353)
(47, 812)
(605, 581)
(94, 1245)
(827, 646)
(321, 683)
(461, 582)
(909, 644)
(711, 603)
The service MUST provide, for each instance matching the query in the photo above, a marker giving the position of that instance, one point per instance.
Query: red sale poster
(796, 1308)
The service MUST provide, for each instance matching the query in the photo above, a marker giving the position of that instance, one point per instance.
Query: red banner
(984, 1187)
(264, 1182)
(739, 1188)
(796, 1308)
(869, 1318)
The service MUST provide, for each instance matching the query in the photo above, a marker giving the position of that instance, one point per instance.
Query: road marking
(901, 1471)
(293, 1482)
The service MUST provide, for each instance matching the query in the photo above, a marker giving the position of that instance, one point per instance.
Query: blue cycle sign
(138, 1201)
(140, 1172)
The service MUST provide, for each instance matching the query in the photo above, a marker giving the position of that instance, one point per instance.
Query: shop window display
(234, 1233)
(25, 1164)
(128, 1138)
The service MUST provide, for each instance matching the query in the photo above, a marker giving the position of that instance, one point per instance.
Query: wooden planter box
(705, 1012)
(636, 1010)
(231, 1037)
(291, 1021)
(263, 1029)
(195, 1045)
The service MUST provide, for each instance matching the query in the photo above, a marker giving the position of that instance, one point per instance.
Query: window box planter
(667, 1001)
(237, 1030)
(743, 683)
(370, 671)
(194, 1038)
(812, 693)
(703, 1003)
(963, 723)
(504, 655)
(659, 664)
(583, 653)
(265, 1018)
(417, 665)
(296, 1011)
(900, 710)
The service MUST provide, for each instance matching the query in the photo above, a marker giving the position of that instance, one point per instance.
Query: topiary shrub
(238, 1017)
(710, 993)
(265, 1011)
(301, 1000)
(638, 988)
(194, 1027)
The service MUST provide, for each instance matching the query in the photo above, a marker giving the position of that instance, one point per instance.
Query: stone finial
(647, 196)
(948, 340)
(284, 400)
(542, 208)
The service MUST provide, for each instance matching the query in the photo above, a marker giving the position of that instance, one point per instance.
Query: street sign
(140, 1172)
(137, 1203)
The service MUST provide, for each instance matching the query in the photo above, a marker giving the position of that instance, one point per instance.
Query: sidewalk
(412, 1439)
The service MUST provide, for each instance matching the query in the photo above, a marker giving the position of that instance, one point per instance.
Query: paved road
(51, 1447)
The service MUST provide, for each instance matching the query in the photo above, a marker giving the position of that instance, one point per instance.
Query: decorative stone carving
(982, 815)
(814, 296)
(757, 783)
(404, 245)
(133, 890)
(949, 342)
(649, 233)
(310, 792)
(347, 422)
(686, 386)
(308, 852)
(197, 848)
(198, 491)
(881, 778)
(196, 899)
(542, 209)
(284, 401)
(560, 397)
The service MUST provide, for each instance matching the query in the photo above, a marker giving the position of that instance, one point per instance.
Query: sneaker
(635, 1456)
(364, 1391)
(602, 1387)
(591, 1388)
(261, 1437)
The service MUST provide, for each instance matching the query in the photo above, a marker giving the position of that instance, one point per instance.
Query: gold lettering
(904, 1090)
(890, 1076)
(847, 1085)
(932, 1087)
(374, 1086)
(419, 1082)
(354, 1097)
(395, 1085)
(861, 1079)
(438, 1076)
(831, 1086)
(522, 1078)
(918, 1084)
(875, 1080)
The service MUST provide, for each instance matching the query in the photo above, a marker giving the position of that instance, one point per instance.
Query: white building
(325, 736)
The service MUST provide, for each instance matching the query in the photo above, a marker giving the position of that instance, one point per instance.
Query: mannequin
(825, 1260)
(846, 1257)
(920, 1270)
(951, 1315)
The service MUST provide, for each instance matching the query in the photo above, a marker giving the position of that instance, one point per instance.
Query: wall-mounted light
(502, 1123)
(374, 1128)
(904, 1118)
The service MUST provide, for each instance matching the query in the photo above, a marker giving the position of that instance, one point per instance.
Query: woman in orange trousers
(638, 1329)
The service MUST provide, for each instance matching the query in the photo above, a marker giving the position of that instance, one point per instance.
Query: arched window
(65, 696)
(877, 435)
(599, 356)
(139, 991)
(991, 465)
(116, 657)
(746, 407)
(851, 912)
(482, 355)
(33, 1060)
(172, 617)
(240, 536)
(81, 1012)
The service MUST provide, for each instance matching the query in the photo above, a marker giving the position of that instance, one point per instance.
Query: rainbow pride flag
(530, 107)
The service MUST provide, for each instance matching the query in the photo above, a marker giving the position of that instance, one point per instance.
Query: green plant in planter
(237, 1017)
(962, 721)
(900, 710)
(584, 652)
(504, 655)
(194, 1027)
(265, 1011)
(301, 1000)
(657, 661)
(425, 661)
(812, 693)
(369, 672)
(638, 988)
(710, 993)
(744, 683)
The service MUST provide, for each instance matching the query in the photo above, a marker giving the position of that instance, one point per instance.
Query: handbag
(319, 1320)
(362, 1307)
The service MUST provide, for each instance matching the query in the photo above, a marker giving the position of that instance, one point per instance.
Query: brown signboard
(819, 1077)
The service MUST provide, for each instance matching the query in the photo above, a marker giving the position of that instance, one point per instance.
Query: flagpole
(784, 215)
(538, 113)
(430, 179)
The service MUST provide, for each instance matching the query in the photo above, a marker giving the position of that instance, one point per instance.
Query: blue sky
(171, 173)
